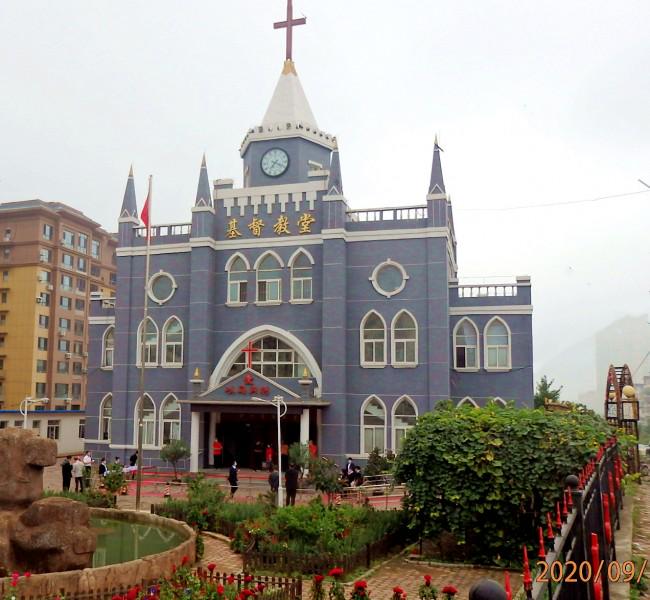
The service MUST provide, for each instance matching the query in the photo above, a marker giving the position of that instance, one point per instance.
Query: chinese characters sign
(248, 388)
(282, 226)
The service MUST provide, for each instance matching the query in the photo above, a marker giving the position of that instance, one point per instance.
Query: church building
(279, 288)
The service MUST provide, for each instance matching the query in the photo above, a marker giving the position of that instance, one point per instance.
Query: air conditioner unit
(39, 300)
(43, 259)
(84, 370)
(68, 355)
(50, 287)
(63, 332)
(84, 354)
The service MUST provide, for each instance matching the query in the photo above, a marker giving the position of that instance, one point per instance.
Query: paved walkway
(641, 531)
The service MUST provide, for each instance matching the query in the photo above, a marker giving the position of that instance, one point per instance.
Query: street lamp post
(277, 402)
(26, 403)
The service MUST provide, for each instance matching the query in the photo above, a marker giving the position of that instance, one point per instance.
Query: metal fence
(577, 552)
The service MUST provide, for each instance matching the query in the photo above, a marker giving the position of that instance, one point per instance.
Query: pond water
(120, 541)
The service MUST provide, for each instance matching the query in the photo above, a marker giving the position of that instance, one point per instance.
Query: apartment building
(52, 257)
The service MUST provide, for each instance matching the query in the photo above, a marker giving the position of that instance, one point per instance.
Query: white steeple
(289, 103)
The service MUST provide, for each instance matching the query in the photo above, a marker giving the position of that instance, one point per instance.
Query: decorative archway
(234, 350)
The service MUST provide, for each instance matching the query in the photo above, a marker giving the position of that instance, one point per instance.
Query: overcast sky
(533, 102)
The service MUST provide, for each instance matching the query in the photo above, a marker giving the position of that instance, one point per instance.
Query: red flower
(248, 578)
(398, 590)
(318, 578)
(132, 594)
(261, 587)
(336, 572)
(27, 574)
(211, 567)
(220, 590)
(185, 560)
(117, 597)
(360, 585)
(427, 580)
(14, 582)
(173, 568)
(230, 579)
(449, 589)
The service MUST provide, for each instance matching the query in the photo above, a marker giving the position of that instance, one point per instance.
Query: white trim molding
(362, 341)
(367, 401)
(409, 400)
(103, 363)
(394, 341)
(135, 423)
(233, 351)
(233, 258)
(163, 345)
(486, 346)
(477, 365)
(101, 320)
(467, 400)
(388, 263)
(152, 280)
(510, 309)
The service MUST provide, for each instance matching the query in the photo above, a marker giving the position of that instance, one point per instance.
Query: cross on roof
(248, 351)
(289, 24)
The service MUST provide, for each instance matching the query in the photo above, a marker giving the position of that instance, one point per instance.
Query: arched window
(274, 358)
(108, 348)
(499, 401)
(373, 425)
(301, 278)
(237, 280)
(269, 279)
(404, 332)
(148, 422)
(150, 344)
(170, 420)
(405, 415)
(173, 343)
(106, 418)
(467, 401)
(373, 340)
(497, 345)
(466, 345)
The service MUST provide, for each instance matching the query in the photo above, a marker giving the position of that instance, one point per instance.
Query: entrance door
(240, 434)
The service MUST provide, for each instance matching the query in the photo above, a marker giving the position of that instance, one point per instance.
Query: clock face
(275, 162)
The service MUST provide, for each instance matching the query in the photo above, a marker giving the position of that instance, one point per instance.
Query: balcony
(492, 294)
(486, 291)
(159, 231)
(406, 213)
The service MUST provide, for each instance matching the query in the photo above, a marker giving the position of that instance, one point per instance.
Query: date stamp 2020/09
(572, 572)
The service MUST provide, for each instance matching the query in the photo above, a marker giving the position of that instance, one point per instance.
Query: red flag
(144, 215)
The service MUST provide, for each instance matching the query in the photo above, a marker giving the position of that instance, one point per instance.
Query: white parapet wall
(66, 427)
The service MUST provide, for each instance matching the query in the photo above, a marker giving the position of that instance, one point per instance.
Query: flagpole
(143, 337)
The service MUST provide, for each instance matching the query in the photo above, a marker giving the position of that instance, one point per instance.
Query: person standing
(274, 479)
(66, 473)
(268, 457)
(348, 471)
(232, 479)
(102, 468)
(291, 484)
(217, 453)
(78, 474)
(87, 462)
(313, 449)
(133, 463)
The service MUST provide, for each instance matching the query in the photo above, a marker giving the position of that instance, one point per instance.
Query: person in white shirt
(78, 474)
(87, 462)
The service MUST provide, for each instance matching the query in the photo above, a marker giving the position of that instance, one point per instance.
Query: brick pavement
(641, 535)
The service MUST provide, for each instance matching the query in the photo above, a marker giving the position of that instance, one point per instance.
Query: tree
(378, 464)
(544, 391)
(299, 455)
(325, 476)
(175, 451)
(114, 480)
(488, 476)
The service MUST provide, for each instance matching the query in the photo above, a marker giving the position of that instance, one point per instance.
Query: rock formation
(37, 534)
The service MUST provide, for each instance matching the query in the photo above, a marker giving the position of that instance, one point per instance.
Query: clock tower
(288, 144)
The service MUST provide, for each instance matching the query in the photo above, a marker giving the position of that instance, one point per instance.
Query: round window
(389, 278)
(161, 287)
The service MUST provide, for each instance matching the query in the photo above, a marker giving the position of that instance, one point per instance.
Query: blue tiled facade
(329, 369)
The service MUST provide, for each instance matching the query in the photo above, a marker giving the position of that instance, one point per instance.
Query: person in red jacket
(268, 457)
(217, 453)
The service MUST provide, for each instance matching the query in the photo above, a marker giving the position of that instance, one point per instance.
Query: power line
(565, 203)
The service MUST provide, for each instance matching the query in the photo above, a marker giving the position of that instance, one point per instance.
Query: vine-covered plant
(426, 591)
(487, 476)
(336, 591)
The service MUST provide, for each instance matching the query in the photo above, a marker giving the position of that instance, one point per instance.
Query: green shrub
(173, 452)
(488, 476)
(378, 463)
(92, 498)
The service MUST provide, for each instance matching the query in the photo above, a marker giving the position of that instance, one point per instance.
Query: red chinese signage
(248, 388)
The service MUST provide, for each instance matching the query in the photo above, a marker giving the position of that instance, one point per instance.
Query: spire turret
(129, 208)
(203, 195)
(335, 181)
(437, 183)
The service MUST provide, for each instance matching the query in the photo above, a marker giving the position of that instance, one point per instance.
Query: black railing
(583, 545)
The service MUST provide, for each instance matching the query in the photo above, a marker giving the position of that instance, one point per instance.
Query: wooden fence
(291, 562)
(276, 588)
